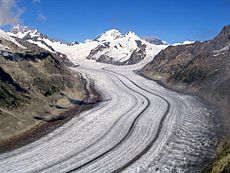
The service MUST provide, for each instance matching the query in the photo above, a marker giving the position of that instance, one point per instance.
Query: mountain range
(109, 47)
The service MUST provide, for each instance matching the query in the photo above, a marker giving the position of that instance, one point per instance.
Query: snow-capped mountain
(25, 32)
(109, 47)
(7, 42)
(24, 40)
(109, 35)
(119, 49)
(74, 49)
(116, 48)
(154, 40)
(31, 35)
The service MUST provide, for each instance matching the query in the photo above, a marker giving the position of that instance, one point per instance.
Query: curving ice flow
(140, 127)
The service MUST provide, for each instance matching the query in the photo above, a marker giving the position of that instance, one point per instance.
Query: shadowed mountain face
(202, 68)
(32, 81)
(11, 94)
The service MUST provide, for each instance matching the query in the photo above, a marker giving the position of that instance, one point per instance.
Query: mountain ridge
(121, 49)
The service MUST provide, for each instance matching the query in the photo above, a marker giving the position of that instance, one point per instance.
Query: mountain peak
(113, 32)
(20, 28)
(132, 35)
(109, 35)
(23, 31)
(154, 40)
(5, 36)
(225, 32)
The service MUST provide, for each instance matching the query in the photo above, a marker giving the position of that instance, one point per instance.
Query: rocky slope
(110, 47)
(201, 68)
(35, 87)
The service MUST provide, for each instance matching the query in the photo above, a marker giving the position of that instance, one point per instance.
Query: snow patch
(183, 43)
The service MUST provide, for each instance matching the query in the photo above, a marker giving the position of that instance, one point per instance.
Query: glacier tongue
(141, 127)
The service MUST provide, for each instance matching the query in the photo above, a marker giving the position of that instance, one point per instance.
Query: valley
(138, 127)
(132, 124)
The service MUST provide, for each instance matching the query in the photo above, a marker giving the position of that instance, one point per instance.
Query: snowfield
(139, 127)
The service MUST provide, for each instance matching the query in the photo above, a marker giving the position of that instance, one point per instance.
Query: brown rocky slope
(203, 69)
(35, 88)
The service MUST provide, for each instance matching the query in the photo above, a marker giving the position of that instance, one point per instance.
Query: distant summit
(109, 35)
(154, 40)
(122, 49)
(25, 32)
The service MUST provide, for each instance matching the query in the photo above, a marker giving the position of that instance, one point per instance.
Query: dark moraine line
(82, 109)
(126, 135)
(95, 142)
(137, 157)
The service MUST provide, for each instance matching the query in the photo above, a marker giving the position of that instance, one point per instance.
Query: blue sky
(170, 20)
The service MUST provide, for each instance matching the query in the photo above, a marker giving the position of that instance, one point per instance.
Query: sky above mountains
(75, 20)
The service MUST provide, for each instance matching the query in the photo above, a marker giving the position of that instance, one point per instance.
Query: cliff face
(201, 68)
(35, 87)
